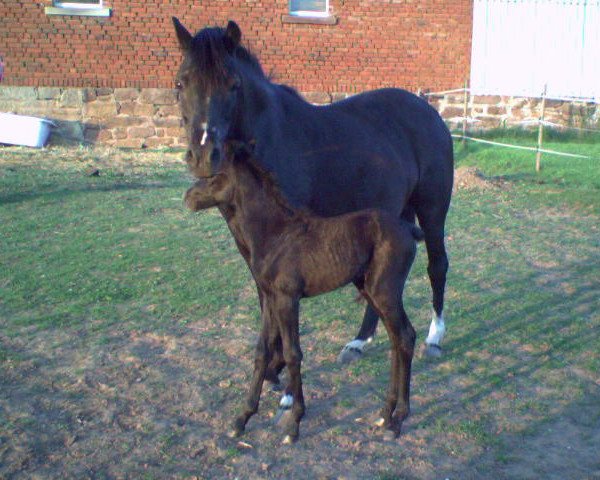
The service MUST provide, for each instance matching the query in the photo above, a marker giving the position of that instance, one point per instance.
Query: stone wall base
(149, 118)
(495, 111)
(120, 117)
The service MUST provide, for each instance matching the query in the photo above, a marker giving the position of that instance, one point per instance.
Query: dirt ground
(159, 405)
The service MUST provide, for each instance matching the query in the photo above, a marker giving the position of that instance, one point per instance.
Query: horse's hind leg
(432, 222)
(353, 350)
(402, 342)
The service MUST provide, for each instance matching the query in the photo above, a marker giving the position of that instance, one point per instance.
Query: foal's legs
(402, 338)
(354, 349)
(276, 365)
(264, 350)
(387, 299)
(286, 311)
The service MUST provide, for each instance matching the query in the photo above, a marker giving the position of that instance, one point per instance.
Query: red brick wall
(376, 43)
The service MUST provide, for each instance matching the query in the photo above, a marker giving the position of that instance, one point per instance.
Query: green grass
(561, 179)
(93, 258)
(89, 252)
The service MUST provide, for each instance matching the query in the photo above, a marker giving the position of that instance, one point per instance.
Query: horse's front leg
(286, 310)
(264, 351)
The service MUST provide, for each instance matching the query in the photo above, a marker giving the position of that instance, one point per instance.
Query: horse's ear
(184, 37)
(233, 33)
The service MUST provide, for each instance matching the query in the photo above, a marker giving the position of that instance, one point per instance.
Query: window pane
(87, 2)
(308, 5)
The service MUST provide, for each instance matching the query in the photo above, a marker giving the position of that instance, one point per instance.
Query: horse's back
(398, 114)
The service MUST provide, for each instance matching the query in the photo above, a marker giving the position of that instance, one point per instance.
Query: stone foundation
(120, 117)
(149, 118)
(495, 111)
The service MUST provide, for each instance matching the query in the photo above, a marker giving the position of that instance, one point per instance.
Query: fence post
(465, 106)
(538, 155)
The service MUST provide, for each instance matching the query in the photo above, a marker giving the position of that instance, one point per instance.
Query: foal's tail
(414, 230)
(417, 233)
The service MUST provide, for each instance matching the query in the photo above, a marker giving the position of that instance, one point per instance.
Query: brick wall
(375, 43)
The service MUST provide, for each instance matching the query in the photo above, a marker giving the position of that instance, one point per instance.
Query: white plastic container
(23, 130)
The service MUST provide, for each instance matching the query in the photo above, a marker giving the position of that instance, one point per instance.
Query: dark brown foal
(293, 255)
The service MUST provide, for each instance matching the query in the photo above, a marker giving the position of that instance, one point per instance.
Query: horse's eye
(178, 85)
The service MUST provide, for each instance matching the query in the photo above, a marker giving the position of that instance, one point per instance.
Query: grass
(88, 263)
(89, 252)
(561, 179)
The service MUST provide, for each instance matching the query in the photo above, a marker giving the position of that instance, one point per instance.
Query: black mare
(385, 148)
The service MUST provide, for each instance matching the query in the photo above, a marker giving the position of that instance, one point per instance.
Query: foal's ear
(184, 37)
(233, 34)
(220, 187)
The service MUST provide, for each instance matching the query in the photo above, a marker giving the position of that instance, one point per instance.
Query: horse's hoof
(380, 422)
(349, 355)
(235, 433)
(390, 435)
(289, 440)
(431, 350)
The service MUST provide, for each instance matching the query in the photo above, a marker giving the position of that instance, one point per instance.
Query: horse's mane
(211, 51)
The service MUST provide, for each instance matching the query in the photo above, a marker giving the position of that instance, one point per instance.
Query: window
(94, 8)
(79, 4)
(309, 8)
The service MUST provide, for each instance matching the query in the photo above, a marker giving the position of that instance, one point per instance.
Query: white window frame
(310, 13)
(90, 8)
(67, 4)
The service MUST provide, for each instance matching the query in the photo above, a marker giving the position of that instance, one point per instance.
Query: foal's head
(209, 192)
(208, 84)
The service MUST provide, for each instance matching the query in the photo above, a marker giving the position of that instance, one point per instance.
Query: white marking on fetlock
(286, 402)
(288, 440)
(436, 330)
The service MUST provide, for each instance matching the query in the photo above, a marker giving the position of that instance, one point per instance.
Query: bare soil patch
(471, 178)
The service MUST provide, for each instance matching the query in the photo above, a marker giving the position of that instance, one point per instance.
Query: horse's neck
(266, 123)
(258, 213)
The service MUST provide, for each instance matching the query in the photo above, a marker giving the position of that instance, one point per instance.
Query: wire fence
(540, 122)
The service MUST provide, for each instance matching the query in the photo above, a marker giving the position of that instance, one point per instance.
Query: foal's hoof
(392, 428)
(431, 350)
(349, 355)
(238, 429)
(289, 439)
